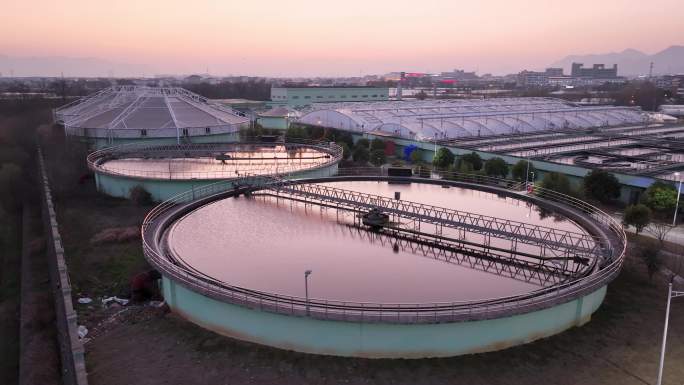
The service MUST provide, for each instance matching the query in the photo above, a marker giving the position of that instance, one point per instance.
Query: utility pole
(650, 72)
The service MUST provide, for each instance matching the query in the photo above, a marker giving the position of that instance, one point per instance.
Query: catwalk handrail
(96, 158)
(481, 224)
(389, 312)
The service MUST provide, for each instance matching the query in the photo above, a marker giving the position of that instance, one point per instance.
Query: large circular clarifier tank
(167, 170)
(267, 244)
(411, 288)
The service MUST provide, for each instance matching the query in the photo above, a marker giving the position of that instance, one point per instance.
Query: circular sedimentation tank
(452, 268)
(165, 170)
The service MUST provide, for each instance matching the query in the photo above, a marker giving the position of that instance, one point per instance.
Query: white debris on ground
(120, 301)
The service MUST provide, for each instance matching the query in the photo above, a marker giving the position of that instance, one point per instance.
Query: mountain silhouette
(632, 62)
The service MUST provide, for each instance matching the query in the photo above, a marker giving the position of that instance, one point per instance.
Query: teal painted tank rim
(97, 158)
(592, 218)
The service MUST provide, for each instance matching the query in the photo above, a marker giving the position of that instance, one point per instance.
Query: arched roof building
(451, 119)
(138, 112)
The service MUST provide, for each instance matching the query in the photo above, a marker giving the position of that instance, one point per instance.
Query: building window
(365, 96)
(307, 97)
(354, 96)
(295, 97)
(319, 97)
(143, 132)
(185, 132)
(207, 130)
(343, 97)
(375, 96)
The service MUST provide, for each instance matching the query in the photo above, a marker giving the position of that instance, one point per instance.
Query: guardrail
(386, 312)
(72, 353)
(332, 154)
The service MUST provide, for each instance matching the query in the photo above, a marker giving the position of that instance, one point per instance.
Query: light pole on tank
(306, 289)
(679, 191)
(670, 294)
(527, 173)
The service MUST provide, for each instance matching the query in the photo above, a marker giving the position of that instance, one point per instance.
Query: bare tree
(659, 230)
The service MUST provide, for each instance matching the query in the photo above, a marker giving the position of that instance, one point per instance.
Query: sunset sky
(319, 37)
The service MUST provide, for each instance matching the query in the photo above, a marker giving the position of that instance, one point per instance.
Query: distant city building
(597, 71)
(458, 75)
(304, 96)
(672, 83)
(538, 79)
(554, 72)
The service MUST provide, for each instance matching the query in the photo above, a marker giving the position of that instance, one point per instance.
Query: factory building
(305, 96)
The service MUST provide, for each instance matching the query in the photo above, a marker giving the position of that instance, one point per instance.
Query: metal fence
(72, 352)
(158, 218)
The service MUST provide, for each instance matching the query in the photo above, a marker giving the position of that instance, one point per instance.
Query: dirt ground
(99, 268)
(619, 346)
(144, 345)
(39, 362)
(10, 266)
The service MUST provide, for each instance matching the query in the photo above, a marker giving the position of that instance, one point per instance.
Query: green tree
(557, 182)
(360, 154)
(377, 157)
(295, 132)
(377, 144)
(496, 167)
(602, 186)
(346, 151)
(443, 158)
(638, 216)
(660, 197)
(363, 142)
(473, 159)
(520, 168)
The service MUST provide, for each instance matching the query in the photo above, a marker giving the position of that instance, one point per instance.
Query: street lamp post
(527, 173)
(670, 294)
(679, 191)
(306, 289)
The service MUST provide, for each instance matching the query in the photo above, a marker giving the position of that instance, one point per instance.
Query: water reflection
(265, 244)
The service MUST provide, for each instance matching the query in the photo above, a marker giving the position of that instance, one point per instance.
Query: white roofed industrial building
(136, 112)
(457, 118)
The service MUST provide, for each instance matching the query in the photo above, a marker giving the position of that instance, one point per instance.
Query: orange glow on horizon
(308, 37)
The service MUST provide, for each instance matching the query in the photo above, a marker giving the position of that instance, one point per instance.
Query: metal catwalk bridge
(528, 246)
(526, 269)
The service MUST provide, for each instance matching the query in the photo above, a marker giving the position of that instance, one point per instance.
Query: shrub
(443, 158)
(558, 183)
(377, 144)
(140, 196)
(360, 154)
(602, 186)
(638, 216)
(519, 169)
(496, 167)
(377, 157)
(660, 197)
(473, 159)
(363, 142)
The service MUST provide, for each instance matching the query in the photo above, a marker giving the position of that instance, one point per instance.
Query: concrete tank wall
(377, 340)
(163, 189)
